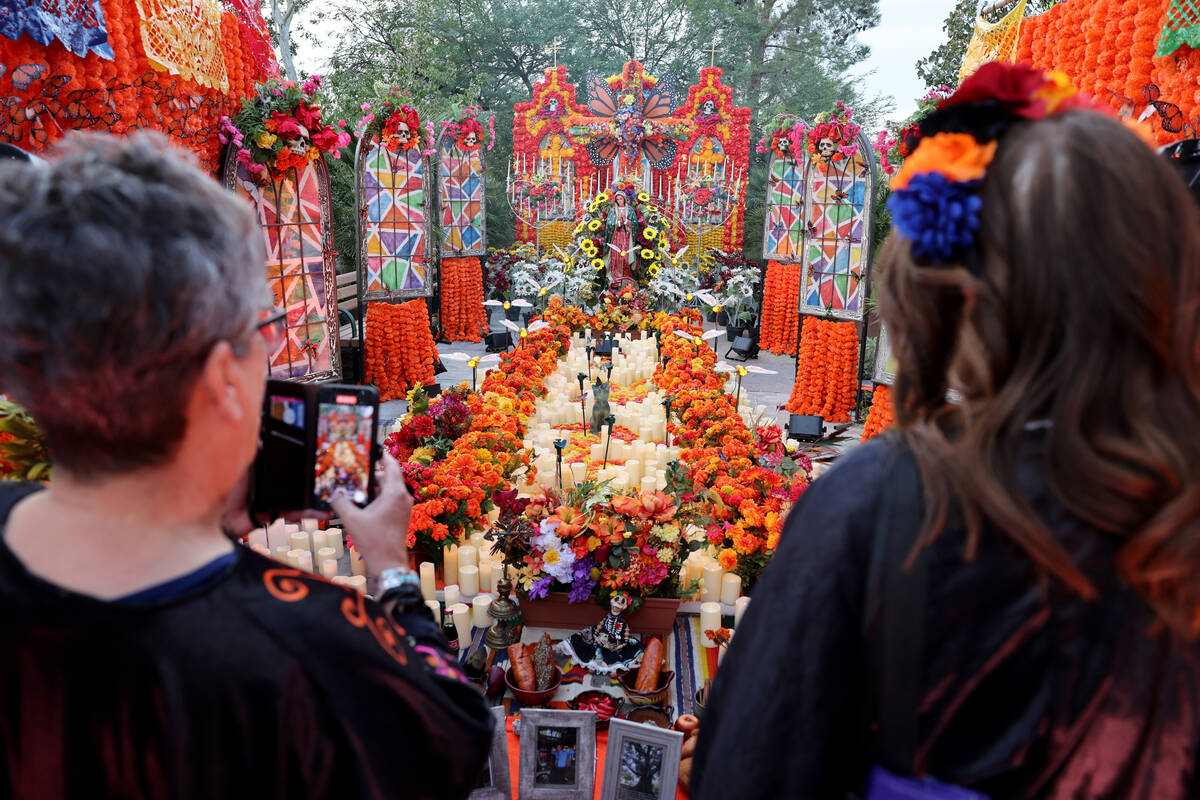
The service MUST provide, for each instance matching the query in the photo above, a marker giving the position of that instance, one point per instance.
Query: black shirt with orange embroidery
(267, 683)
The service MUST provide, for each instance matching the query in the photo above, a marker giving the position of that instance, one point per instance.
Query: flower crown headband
(935, 201)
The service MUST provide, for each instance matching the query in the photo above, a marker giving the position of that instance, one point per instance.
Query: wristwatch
(402, 585)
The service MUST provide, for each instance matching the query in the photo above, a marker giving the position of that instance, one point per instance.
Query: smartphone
(317, 441)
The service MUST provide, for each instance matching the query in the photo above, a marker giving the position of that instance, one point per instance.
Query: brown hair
(1080, 306)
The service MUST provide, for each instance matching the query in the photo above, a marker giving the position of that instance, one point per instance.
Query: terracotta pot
(656, 617)
(655, 697)
(534, 698)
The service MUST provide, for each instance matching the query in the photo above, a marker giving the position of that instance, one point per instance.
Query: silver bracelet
(394, 578)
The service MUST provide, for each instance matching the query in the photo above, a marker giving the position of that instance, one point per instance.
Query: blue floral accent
(938, 216)
(540, 588)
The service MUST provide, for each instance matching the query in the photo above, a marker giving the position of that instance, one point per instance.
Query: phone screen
(343, 462)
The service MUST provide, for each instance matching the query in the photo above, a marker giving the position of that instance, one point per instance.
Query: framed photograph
(558, 754)
(642, 762)
(495, 782)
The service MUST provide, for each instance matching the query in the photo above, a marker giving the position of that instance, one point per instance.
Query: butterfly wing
(660, 155)
(602, 153)
(661, 101)
(601, 100)
(1172, 117)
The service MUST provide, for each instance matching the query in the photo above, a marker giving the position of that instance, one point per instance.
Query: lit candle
(428, 581)
(319, 541)
(308, 525)
(304, 560)
(436, 608)
(467, 556)
(712, 583)
(462, 622)
(323, 555)
(739, 609)
(329, 568)
(281, 552)
(452, 594)
(293, 558)
(256, 537)
(497, 575)
(479, 611)
(450, 564)
(731, 588)
(299, 541)
(359, 582)
(710, 620)
(468, 580)
(333, 538)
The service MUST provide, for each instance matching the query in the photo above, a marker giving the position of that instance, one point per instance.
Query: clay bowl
(652, 714)
(534, 698)
(657, 697)
(594, 694)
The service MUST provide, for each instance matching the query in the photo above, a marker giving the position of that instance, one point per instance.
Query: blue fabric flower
(939, 217)
(540, 588)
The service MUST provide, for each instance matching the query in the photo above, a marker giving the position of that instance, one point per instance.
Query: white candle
(329, 568)
(467, 557)
(579, 472)
(452, 594)
(710, 620)
(462, 622)
(497, 575)
(739, 609)
(276, 536)
(436, 608)
(597, 452)
(450, 564)
(712, 583)
(299, 541)
(428, 581)
(694, 574)
(633, 468)
(293, 558)
(477, 541)
(281, 552)
(358, 564)
(359, 582)
(649, 483)
(479, 611)
(323, 555)
(468, 580)
(308, 525)
(485, 573)
(261, 549)
(258, 536)
(341, 580)
(333, 538)
(319, 541)
(304, 560)
(731, 588)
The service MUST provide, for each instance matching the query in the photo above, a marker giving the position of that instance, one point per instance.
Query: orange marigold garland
(463, 317)
(882, 414)
(780, 314)
(826, 370)
(399, 348)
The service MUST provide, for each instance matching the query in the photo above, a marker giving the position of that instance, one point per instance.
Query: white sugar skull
(784, 145)
(552, 105)
(826, 147)
(470, 140)
(403, 132)
(708, 107)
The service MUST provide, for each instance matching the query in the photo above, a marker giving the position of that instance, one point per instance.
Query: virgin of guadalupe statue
(619, 232)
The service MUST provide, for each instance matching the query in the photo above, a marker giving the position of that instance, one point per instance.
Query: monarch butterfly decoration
(1171, 115)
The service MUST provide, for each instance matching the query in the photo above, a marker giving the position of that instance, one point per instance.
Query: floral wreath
(393, 110)
(784, 136)
(837, 127)
(935, 201)
(708, 122)
(467, 124)
(280, 128)
(893, 144)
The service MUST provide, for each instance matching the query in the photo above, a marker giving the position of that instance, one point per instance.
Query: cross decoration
(712, 51)
(555, 46)
(707, 157)
(555, 152)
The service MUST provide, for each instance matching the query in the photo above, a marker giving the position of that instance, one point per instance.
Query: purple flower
(581, 581)
(939, 217)
(540, 588)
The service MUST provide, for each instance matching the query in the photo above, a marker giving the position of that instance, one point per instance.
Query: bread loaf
(647, 677)
(522, 667)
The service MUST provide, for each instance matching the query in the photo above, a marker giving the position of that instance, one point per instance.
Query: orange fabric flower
(957, 156)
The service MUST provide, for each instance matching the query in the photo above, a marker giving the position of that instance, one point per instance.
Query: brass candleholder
(506, 629)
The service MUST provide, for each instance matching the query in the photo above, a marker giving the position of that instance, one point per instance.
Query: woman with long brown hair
(1004, 593)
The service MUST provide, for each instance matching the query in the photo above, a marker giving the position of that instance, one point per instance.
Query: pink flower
(366, 106)
(256, 169)
(341, 123)
(243, 156)
(343, 139)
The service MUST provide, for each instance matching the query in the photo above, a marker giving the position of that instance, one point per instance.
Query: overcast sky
(909, 30)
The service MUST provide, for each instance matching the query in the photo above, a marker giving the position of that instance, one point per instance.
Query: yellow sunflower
(646, 253)
(643, 197)
(650, 232)
(598, 263)
(602, 197)
(578, 229)
(654, 268)
(594, 225)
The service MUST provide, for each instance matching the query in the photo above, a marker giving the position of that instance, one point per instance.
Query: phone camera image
(343, 463)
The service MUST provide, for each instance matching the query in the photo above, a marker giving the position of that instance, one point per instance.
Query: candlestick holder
(589, 349)
(506, 630)
(541, 193)
(559, 444)
(582, 402)
(667, 426)
(610, 420)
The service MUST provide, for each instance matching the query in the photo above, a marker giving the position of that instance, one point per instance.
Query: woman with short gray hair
(145, 655)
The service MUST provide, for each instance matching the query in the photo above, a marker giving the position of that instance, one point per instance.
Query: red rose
(702, 196)
(326, 139)
(1010, 85)
(309, 116)
(285, 124)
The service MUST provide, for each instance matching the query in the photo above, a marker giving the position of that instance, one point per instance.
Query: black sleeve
(787, 715)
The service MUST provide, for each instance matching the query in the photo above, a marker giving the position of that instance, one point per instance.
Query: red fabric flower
(326, 140)
(285, 124)
(1010, 85)
(309, 116)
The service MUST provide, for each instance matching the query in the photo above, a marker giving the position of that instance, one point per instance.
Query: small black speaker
(497, 342)
(743, 348)
(432, 390)
(805, 428)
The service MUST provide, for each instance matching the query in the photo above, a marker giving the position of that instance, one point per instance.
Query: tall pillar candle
(428, 581)
(308, 525)
(462, 623)
(710, 620)
(479, 611)
(633, 468)
(304, 561)
(739, 610)
(712, 583)
(358, 565)
(451, 594)
(485, 574)
(731, 588)
(436, 608)
(329, 568)
(450, 564)
(467, 555)
(257, 536)
(693, 577)
(299, 541)
(320, 540)
(359, 582)
(276, 535)
(497, 575)
(280, 552)
(468, 580)
(293, 558)
(333, 538)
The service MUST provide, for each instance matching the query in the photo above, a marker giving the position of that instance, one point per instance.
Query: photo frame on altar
(642, 762)
(495, 783)
(558, 754)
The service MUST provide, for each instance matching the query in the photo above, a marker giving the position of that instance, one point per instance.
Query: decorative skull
(470, 140)
(552, 105)
(708, 107)
(403, 132)
(826, 147)
(785, 145)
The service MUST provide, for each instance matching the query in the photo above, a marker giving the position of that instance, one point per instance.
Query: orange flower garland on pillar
(463, 317)
(399, 348)
(780, 312)
(826, 370)
(882, 414)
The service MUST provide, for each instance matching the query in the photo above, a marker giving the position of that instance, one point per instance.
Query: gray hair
(121, 265)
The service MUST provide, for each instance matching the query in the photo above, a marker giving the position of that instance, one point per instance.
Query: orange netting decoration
(463, 317)
(399, 348)
(780, 309)
(826, 370)
(177, 36)
(882, 414)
